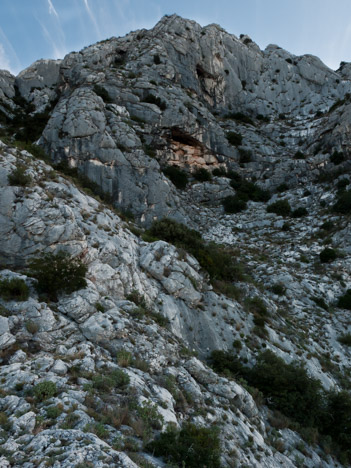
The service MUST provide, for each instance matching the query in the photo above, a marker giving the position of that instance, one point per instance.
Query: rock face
(90, 379)
(174, 93)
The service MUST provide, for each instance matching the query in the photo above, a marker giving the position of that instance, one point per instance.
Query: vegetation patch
(14, 289)
(280, 207)
(44, 390)
(190, 447)
(218, 261)
(234, 138)
(328, 255)
(152, 99)
(18, 176)
(58, 273)
(177, 176)
(202, 175)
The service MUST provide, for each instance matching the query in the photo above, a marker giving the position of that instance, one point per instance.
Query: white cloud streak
(52, 10)
(59, 50)
(4, 60)
(9, 58)
(92, 18)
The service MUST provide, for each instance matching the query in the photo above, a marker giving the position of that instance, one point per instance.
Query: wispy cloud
(8, 57)
(92, 18)
(58, 48)
(52, 10)
(4, 60)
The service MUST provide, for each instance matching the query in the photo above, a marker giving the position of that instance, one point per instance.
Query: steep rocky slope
(128, 354)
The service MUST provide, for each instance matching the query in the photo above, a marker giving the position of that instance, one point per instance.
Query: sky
(35, 29)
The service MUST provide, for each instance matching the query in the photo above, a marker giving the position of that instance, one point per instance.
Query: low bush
(344, 301)
(345, 339)
(18, 176)
(234, 138)
(58, 273)
(202, 175)
(151, 99)
(282, 188)
(245, 156)
(234, 204)
(190, 447)
(342, 184)
(110, 380)
(328, 255)
(343, 203)
(14, 289)
(53, 412)
(278, 289)
(299, 155)
(280, 207)
(220, 172)
(239, 117)
(299, 212)
(337, 157)
(247, 190)
(44, 390)
(219, 262)
(157, 59)
(177, 176)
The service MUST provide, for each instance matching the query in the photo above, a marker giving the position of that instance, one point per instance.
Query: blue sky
(34, 29)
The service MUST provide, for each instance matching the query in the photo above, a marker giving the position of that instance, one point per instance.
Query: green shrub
(219, 172)
(337, 421)
(299, 155)
(280, 207)
(224, 362)
(282, 188)
(342, 184)
(288, 388)
(110, 380)
(299, 212)
(343, 203)
(151, 99)
(53, 412)
(58, 273)
(218, 261)
(234, 204)
(239, 117)
(344, 301)
(278, 289)
(44, 390)
(32, 327)
(190, 447)
(245, 156)
(14, 289)
(202, 175)
(345, 339)
(263, 118)
(18, 176)
(177, 176)
(327, 226)
(247, 190)
(157, 59)
(328, 255)
(5, 424)
(234, 138)
(337, 158)
(100, 91)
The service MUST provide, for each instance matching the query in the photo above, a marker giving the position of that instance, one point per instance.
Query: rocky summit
(175, 276)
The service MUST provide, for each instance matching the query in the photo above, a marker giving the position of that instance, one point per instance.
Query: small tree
(58, 273)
